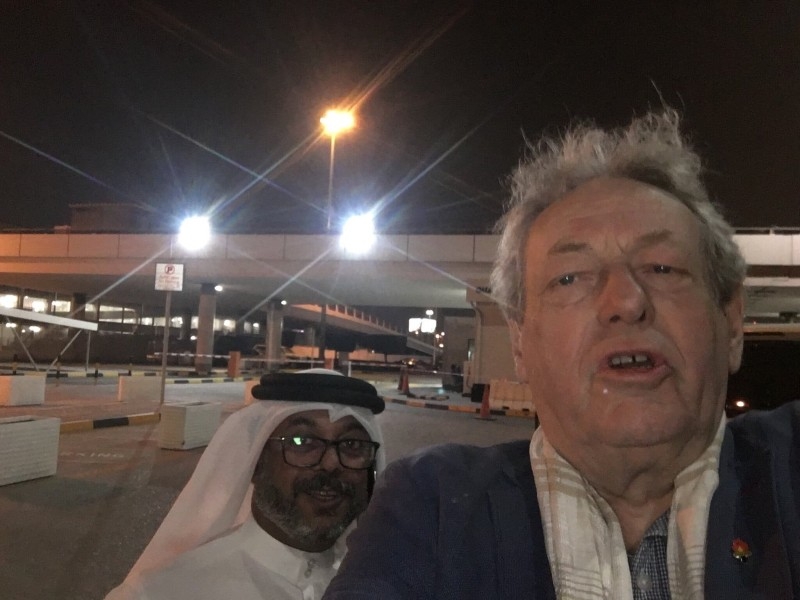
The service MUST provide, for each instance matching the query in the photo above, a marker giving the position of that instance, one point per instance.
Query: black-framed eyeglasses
(306, 451)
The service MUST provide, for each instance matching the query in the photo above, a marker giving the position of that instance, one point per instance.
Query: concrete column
(492, 358)
(273, 335)
(239, 323)
(205, 328)
(186, 324)
(79, 306)
(323, 331)
(309, 336)
(344, 363)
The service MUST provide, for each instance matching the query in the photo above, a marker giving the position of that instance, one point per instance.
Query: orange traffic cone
(404, 389)
(486, 413)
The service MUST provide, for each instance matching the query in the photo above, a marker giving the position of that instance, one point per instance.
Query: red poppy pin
(740, 550)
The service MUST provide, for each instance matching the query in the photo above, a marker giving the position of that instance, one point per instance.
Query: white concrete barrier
(16, 390)
(28, 447)
(494, 394)
(188, 425)
(138, 387)
(510, 395)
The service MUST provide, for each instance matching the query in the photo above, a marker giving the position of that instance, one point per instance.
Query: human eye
(567, 279)
(570, 287)
(354, 446)
(663, 269)
(302, 443)
(665, 276)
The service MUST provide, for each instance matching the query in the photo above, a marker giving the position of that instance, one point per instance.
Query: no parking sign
(169, 277)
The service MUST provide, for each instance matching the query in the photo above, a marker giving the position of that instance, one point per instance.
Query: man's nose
(330, 459)
(622, 298)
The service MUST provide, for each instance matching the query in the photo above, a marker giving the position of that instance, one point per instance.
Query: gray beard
(283, 512)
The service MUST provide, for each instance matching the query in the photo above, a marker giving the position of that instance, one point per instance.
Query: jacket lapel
(744, 508)
(522, 564)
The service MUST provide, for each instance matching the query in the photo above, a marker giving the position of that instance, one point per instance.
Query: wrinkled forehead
(624, 211)
(319, 422)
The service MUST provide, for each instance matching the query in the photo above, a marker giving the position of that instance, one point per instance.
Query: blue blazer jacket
(459, 522)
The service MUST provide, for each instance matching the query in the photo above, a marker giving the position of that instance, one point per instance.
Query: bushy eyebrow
(647, 240)
(300, 420)
(568, 248)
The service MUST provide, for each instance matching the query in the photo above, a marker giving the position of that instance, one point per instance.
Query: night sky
(176, 106)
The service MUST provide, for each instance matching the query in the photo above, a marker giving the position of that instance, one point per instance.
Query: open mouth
(636, 360)
(325, 494)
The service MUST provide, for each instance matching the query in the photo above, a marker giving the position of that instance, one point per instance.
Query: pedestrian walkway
(82, 405)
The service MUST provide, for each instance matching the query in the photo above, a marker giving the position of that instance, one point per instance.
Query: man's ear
(734, 314)
(515, 333)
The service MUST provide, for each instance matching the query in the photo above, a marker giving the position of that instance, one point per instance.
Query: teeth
(629, 360)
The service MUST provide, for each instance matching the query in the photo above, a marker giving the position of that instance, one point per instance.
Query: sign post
(169, 278)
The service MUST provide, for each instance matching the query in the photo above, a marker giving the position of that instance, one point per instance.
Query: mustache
(322, 481)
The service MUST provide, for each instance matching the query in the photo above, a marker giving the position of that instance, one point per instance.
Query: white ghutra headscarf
(217, 497)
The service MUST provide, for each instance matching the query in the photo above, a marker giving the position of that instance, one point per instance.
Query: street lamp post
(194, 234)
(333, 122)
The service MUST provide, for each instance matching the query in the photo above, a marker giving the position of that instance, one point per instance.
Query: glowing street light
(358, 234)
(195, 232)
(334, 122)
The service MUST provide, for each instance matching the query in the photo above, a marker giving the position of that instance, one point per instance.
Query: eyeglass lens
(307, 451)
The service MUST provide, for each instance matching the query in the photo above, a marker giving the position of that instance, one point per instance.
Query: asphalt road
(75, 535)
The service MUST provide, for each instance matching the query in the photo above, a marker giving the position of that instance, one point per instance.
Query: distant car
(415, 363)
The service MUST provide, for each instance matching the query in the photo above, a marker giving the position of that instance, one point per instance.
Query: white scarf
(584, 541)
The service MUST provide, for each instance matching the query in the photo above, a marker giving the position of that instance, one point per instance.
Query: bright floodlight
(195, 232)
(358, 234)
(336, 121)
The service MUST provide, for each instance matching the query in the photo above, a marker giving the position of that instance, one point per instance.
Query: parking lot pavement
(75, 535)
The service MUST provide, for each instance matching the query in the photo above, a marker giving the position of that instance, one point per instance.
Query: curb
(117, 374)
(212, 379)
(461, 408)
(154, 417)
(89, 424)
(171, 376)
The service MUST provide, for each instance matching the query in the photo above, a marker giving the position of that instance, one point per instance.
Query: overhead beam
(29, 315)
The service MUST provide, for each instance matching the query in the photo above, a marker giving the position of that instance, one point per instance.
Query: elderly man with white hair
(272, 498)
(623, 290)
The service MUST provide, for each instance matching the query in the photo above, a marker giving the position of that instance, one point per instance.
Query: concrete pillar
(309, 336)
(492, 358)
(273, 335)
(322, 333)
(239, 323)
(186, 324)
(205, 328)
(79, 306)
(344, 363)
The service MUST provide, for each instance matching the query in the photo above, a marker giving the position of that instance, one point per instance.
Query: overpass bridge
(257, 271)
(351, 319)
(400, 270)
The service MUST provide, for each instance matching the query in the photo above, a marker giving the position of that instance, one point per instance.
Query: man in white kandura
(273, 497)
